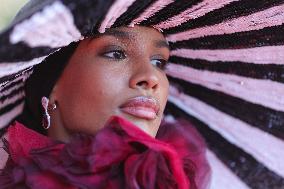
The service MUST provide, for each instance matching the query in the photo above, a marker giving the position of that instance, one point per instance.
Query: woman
(112, 74)
(100, 101)
(225, 73)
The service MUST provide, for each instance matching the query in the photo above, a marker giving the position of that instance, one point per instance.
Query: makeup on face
(118, 73)
(142, 107)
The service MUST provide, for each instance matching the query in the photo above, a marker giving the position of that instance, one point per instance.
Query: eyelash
(116, 54)
(162, 63)
(120, 55)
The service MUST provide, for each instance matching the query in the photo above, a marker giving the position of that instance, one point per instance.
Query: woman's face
(120, 72)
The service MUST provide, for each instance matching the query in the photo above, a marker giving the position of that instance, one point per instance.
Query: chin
(149, 129)
(148, 126)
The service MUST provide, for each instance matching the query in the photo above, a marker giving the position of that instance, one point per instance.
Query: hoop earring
(47, 110)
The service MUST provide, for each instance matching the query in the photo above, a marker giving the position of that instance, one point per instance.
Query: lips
(141, 107)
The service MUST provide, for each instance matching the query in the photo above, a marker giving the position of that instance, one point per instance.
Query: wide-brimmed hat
(226, 71)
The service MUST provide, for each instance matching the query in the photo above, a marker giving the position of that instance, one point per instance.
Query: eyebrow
(162, 44)
(126, 35)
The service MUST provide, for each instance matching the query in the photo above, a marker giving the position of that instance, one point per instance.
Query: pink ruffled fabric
(119, 156)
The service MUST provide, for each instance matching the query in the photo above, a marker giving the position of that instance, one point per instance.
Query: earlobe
(52, 96)
(57, 129)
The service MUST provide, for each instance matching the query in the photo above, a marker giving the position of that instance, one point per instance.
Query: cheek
(88, 100)
(164, 90)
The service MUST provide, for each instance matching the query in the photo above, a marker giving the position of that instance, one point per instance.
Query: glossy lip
(142, 107)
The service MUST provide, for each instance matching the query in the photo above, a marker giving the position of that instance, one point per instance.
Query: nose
(144, 77)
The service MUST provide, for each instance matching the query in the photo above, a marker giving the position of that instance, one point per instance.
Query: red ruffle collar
(119, 156)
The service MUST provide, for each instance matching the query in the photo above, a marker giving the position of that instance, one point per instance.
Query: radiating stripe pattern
(226, 72)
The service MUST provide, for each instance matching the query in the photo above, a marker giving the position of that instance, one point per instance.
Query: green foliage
(8, 9)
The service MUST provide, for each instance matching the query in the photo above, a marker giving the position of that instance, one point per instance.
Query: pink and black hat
(226, 71)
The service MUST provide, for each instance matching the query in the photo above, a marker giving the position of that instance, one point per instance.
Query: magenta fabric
(119, 156)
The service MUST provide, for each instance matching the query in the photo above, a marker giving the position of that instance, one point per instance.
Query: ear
(57, 129)
(53, 94)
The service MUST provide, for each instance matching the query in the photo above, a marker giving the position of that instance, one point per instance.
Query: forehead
(134, 32)
(137, 34)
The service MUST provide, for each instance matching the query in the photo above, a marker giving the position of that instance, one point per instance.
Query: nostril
(142, 83)
(145, 85)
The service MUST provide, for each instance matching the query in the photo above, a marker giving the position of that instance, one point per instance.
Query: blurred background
(8, 9)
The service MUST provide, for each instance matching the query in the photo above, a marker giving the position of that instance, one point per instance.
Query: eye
(115, 54)
(160, 63)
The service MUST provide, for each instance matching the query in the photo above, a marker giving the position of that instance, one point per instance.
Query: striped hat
(226, 71)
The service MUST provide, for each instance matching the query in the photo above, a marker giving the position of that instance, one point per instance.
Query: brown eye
(160, 63)
(116, 54)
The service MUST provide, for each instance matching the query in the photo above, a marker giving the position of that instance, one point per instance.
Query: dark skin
(103, 73)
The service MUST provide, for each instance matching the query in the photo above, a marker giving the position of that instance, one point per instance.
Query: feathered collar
(119, 156)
